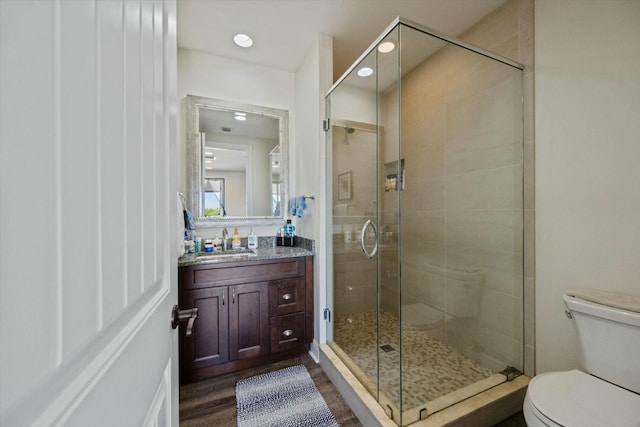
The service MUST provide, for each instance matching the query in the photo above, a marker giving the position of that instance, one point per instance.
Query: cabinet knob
(287, 297)
(287, 333)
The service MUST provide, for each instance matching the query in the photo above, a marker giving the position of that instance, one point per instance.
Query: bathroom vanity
(251, 311)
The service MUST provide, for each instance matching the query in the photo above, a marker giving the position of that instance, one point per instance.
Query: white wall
(258, 200)
(354, 104)
(308, 160)
(587, 88)
(213, 76)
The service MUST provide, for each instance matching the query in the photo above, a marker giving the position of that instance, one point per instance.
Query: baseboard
(314, 352)
(485, 409)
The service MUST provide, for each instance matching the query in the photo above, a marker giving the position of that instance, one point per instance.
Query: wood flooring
(212, 402)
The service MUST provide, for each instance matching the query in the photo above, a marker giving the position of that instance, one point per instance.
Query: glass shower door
(352, 150)
(390, 188)
(366, 180)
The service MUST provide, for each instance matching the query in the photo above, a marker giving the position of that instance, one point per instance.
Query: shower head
(347, 131)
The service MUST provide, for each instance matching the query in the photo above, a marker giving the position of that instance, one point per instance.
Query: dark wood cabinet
(208, 345)
(249, 313)
(249, 320)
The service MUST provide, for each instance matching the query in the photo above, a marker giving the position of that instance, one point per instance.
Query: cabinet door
(249, 320)
(208, 345)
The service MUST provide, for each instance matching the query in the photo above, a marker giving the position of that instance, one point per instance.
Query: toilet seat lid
(573, 398)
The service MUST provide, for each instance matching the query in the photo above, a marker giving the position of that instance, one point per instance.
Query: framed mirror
(237, 162)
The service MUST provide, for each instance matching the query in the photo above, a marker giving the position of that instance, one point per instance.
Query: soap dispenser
(235, 239)
(252, 240)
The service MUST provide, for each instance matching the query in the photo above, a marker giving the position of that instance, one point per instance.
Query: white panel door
(88, 239)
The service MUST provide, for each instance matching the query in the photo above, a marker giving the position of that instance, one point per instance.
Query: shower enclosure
(424, 149)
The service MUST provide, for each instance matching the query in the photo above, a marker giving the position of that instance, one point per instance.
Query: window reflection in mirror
(213, 194)
(236, 160)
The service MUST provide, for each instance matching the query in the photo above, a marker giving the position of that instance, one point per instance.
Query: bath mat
(284, 398)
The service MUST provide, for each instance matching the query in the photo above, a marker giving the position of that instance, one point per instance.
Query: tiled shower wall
(508, 31)
(451, 163)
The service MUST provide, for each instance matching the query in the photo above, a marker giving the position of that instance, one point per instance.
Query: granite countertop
(261, 253)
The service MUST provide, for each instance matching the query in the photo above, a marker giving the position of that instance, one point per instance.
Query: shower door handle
(364, 230)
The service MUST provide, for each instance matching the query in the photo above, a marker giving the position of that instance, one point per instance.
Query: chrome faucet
(225, 237)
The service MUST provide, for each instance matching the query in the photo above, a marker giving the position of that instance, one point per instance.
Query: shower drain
(387, 348)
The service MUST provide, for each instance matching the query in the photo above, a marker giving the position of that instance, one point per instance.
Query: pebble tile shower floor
(431, 369)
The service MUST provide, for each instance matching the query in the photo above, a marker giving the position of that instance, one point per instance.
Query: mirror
(237, 162)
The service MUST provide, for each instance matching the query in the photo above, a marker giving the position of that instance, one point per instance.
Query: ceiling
(256, 126)
(284, 30)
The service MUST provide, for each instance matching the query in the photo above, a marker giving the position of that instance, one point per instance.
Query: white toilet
(608, 327)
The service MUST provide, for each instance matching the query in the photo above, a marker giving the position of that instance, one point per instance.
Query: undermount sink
(229, 253)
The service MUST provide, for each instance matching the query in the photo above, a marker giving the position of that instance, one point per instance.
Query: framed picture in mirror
(344, 186)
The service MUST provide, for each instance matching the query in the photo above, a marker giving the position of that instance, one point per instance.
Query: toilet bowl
(608, 326)
(425, 318)
(574, 398)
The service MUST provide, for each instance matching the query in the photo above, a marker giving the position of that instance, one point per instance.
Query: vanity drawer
(225, 274)
(287, 332)
(286, 296)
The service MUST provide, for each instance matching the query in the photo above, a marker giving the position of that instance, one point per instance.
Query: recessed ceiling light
(242, 40)
(386, 47)
(241, 118)
(365, 71)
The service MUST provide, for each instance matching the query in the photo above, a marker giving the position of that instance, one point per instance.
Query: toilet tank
(609, 337)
